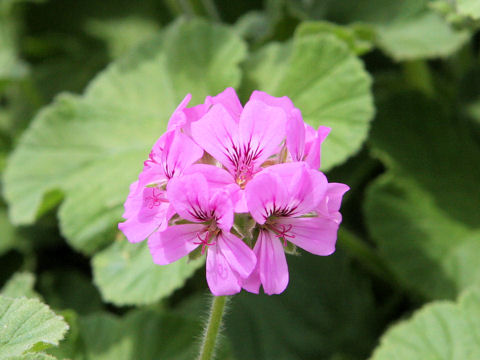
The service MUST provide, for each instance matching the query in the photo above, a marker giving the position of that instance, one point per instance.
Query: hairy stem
(213, 326)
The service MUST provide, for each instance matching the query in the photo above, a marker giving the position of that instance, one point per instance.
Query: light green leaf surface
(142, 335)
(72, 347)
(424, 36)
(469, 8)
(360, 38)
(122, 34)
(335, 91)
(20, 284)
(406, 30)
(438, 331)
(33, 356)
(24, 323)
(92, 147)
(423, 213)
(126, 275)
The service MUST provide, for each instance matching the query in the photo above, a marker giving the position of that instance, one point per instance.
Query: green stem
(366, 255)
(211, 9)
(418, 75)
(213, 327)
(187, 9)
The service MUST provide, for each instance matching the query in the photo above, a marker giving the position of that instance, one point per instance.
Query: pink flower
(147, 208)
(303, 141)
(291, 203)
(208, 213)
(241, 144)
(218, 159)
(183, 117)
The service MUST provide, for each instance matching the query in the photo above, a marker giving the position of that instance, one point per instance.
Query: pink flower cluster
(239, 183)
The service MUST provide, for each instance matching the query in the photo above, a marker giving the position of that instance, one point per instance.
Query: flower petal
(178, 118)
(189, 197)
(179, 152)
(316, 235)
(261, 130)
(221, 205)
(273, 267)
(229, 99)
(335, 192)
(215, 176)
(134, 201)
(217, 134)
(221, 279)
(282, 102)
(296, 135)
(174, 243)
(253, 282)
(152, 215)
(265, 193)
(313, 144)
(305, 187)
(240, 257)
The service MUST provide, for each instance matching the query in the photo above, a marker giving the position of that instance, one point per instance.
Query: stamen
(156, 199)
(151, 159)
(204, 241)
(281, 232)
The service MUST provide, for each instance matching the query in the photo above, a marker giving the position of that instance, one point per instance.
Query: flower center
(155, 199)
(281, 231)
(205, 240)
(244, 174)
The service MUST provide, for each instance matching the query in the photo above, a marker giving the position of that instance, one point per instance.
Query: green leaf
(9, 235)
(122, 34)
(359, 37)
(11, 67)
(92, 147)
(253, 26)
(431, 253)
(335, 91)
(406, 30)
(126, 275)
(327, 309)
(423, 213)
(139, 335)
(20, 284)
(469, 8)
(440, 330)
(33, 356)
(72, 347)
(24, 323)
(424, 36)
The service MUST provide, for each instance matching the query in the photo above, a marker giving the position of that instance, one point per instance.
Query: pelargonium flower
(290, 202)
(208, 213)
(219, 161)
(147, 208)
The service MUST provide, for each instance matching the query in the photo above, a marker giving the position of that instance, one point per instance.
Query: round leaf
(440, 330)
(126, 274)
(26, 322)
(92, 147)
(327, 82)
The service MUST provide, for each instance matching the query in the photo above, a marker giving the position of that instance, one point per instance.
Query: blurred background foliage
(86, 87)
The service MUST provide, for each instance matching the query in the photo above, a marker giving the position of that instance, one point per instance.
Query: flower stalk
(212, 329)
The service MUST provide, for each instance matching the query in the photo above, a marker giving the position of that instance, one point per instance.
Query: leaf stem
(213, 327)
(211, 9)
(366, 255)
